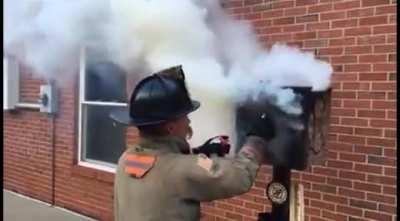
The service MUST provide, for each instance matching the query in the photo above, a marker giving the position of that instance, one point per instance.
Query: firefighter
(157, 179)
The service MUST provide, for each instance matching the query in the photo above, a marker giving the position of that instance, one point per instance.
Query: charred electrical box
(304, 142)
(308, 143)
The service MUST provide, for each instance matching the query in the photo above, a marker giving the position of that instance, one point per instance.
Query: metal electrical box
(10, 83)
(48, 99)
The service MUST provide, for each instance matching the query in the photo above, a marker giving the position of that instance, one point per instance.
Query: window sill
(93, 171)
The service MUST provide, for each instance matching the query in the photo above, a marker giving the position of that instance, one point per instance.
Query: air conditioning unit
(10, 83)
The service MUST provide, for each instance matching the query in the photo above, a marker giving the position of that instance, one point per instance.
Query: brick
(320, 8)
(384, 105)
(305, 2)
(234, 216)
(376, 20)
(324, 188)
(322, 204)
(390, 171)
(384, 67)
(357, 67)
(325, 171)
(381, 179)
(381, 142)
(252, 16)
(387, 208)
(252, 2)
(391, 114)
(333, 15)
(358, 50)
(357, 31)
(367, 187)
(307, 18)
(377, 216)
(330, 33)
(384, 48)
(353, 193)
(381, 86)
(318, 26)
(263, 7)
(391, 38)
(340, 164)
(342, 41)
(282, 4)
(330, 51)
(371, 95)
(283, 21)
(279, 37)
(368, 132)
(352, 157)
(366, 3)
(293, 28)
(384, 29)
(344, 59)
(340, 147)
(383, 123)
(363, 12)
(363, 204)
(392, 57)
(389, 190)
(261, 22)
(295, 11)
(339, 182)
(315, 43)
(392, 76)
(271, 30)
(341, 130)
(379, 160)
(371, 150)
(381, 198)
(333, 216)
(312, 211)
(372, 58)
(356, 86)
(368, 168)
(370, 40)
(272, 13)
(305, 35)
(349, 210)
(345, 23)
(390, 133)
(356, 104)
(335, 199)
(352, 175)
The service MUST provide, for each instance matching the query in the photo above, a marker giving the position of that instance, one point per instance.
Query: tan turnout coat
(155, 181)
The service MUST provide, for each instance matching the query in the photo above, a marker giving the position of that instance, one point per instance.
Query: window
(102, 88)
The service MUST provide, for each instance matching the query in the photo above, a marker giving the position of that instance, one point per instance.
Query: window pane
(103, 139)
(105, 81)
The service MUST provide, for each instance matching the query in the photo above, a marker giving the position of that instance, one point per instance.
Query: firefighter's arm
(206, 179)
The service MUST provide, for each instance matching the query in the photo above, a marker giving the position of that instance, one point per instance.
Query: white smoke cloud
(219, 55)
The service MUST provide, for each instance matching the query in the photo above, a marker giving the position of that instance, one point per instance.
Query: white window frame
(99, 165)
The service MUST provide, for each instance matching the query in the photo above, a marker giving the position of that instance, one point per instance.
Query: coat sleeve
(205, 179)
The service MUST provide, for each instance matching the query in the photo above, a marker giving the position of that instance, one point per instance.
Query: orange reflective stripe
(140, 158)
(138, 172)
(138, 165)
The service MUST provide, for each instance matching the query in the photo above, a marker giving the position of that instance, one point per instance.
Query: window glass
(104, 140)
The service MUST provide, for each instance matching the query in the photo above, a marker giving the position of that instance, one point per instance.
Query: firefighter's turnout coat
(155, 181)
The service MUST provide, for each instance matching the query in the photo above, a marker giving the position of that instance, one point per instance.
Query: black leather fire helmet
(158, 98)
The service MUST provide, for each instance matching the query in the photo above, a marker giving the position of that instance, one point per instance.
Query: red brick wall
(358, 181)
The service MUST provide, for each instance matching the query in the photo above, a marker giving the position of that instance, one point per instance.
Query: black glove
(216, 145)
(281, 130)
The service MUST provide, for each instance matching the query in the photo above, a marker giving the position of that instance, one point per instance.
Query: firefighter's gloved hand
(216, 145)
(256, 147)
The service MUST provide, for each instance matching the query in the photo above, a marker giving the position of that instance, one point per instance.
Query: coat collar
(164, 143)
